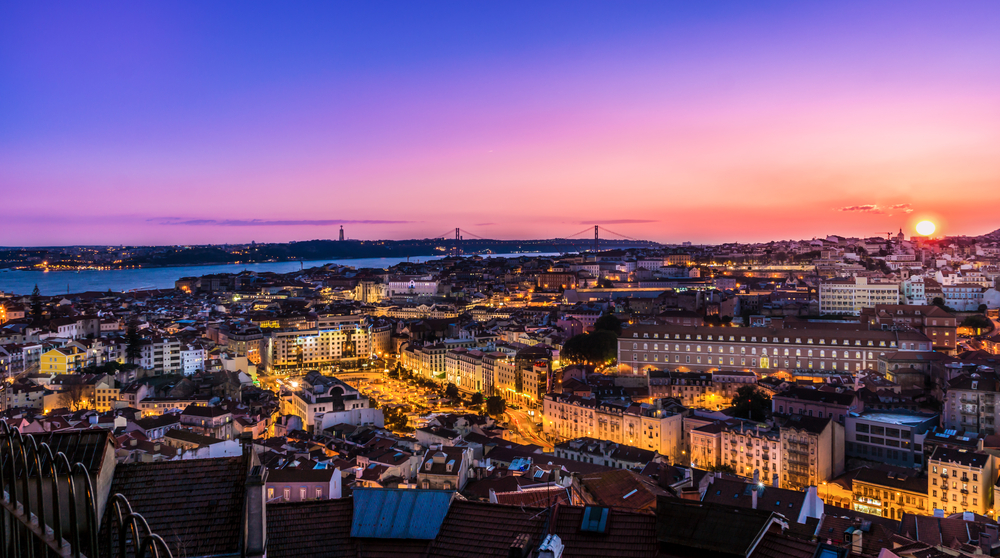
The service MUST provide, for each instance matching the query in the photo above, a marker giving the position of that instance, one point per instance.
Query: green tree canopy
(451, 391)
(978, 322)
(609, 322)
(495, 405)
(597, 347)
(751, 403)
(477, 398)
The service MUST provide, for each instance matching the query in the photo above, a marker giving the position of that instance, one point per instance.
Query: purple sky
(221, 122)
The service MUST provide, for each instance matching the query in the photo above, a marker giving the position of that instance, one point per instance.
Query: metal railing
(49, 508)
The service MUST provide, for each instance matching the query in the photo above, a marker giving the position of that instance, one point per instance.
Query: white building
(850, 296)
(913, 291)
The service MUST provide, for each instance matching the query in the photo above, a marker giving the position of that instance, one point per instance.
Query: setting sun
(925, 228)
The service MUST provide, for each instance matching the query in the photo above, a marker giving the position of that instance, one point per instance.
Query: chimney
(520, 547)
(988, 538)
(753, 497)
(133, 442)
(854, 536)
(774, 481)
(551, 547)
(256, 507)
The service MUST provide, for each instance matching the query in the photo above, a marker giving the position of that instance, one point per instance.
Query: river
(61, 282)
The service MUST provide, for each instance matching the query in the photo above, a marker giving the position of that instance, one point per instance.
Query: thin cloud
(867, 208)
(272, 223)
(483, 224)
(904, 207)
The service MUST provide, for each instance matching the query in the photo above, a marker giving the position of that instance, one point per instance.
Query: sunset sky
(215, 122)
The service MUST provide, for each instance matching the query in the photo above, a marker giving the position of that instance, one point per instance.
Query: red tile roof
(196, 505)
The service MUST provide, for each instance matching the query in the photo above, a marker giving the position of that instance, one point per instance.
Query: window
(319, 493)
(287, 494)
(270, 493)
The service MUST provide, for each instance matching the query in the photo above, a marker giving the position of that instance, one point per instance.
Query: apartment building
(63, 360)
(835, 403)
(963, 297)
(603, 452)
(644, 426)
(892, 437)
(890, 494)
(812, 450)
(426, 360)
(935, 323)
(700, 390)
(334, 338)
(961, 480)
(292, 484)
(160, 354)
(753, 452)
(756, 349)
(706, 445)
(464, 368)
(970, 403)
(851, 296)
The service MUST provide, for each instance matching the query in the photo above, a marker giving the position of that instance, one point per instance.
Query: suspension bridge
(460, 234)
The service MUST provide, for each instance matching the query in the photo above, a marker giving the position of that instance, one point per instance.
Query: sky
(230, 122)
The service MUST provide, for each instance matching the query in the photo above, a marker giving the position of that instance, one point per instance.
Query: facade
(445, 468)
(758, 349)
(963, 297)
(896, 438)
(425, 360)
(960, 480)
(300, 485)
(63, 360)
(812, 451)
(208, 421)
(644, 426)
(934, 322)
(970, 403)
(700, 390)
(160, 354)
(889, 494)
(753, 452)
(319, 396)
(851, 296)
(602, 452)
(411, 286)
(334, 338)
(836, 403)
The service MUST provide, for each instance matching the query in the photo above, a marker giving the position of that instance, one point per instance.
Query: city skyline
(191, 124)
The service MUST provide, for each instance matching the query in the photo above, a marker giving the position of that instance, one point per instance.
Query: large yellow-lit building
(62, 360)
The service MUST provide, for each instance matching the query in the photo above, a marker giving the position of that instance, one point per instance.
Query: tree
(982, 309)
(74, 397)
(598, 346)
(939, 302)
(133, 342)
(751, 403)
(496, 405)
(451, 391)
(978, 322)
(606, 284)
(36, 306)
(477, 398)
(609, 322)
(722, 469)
